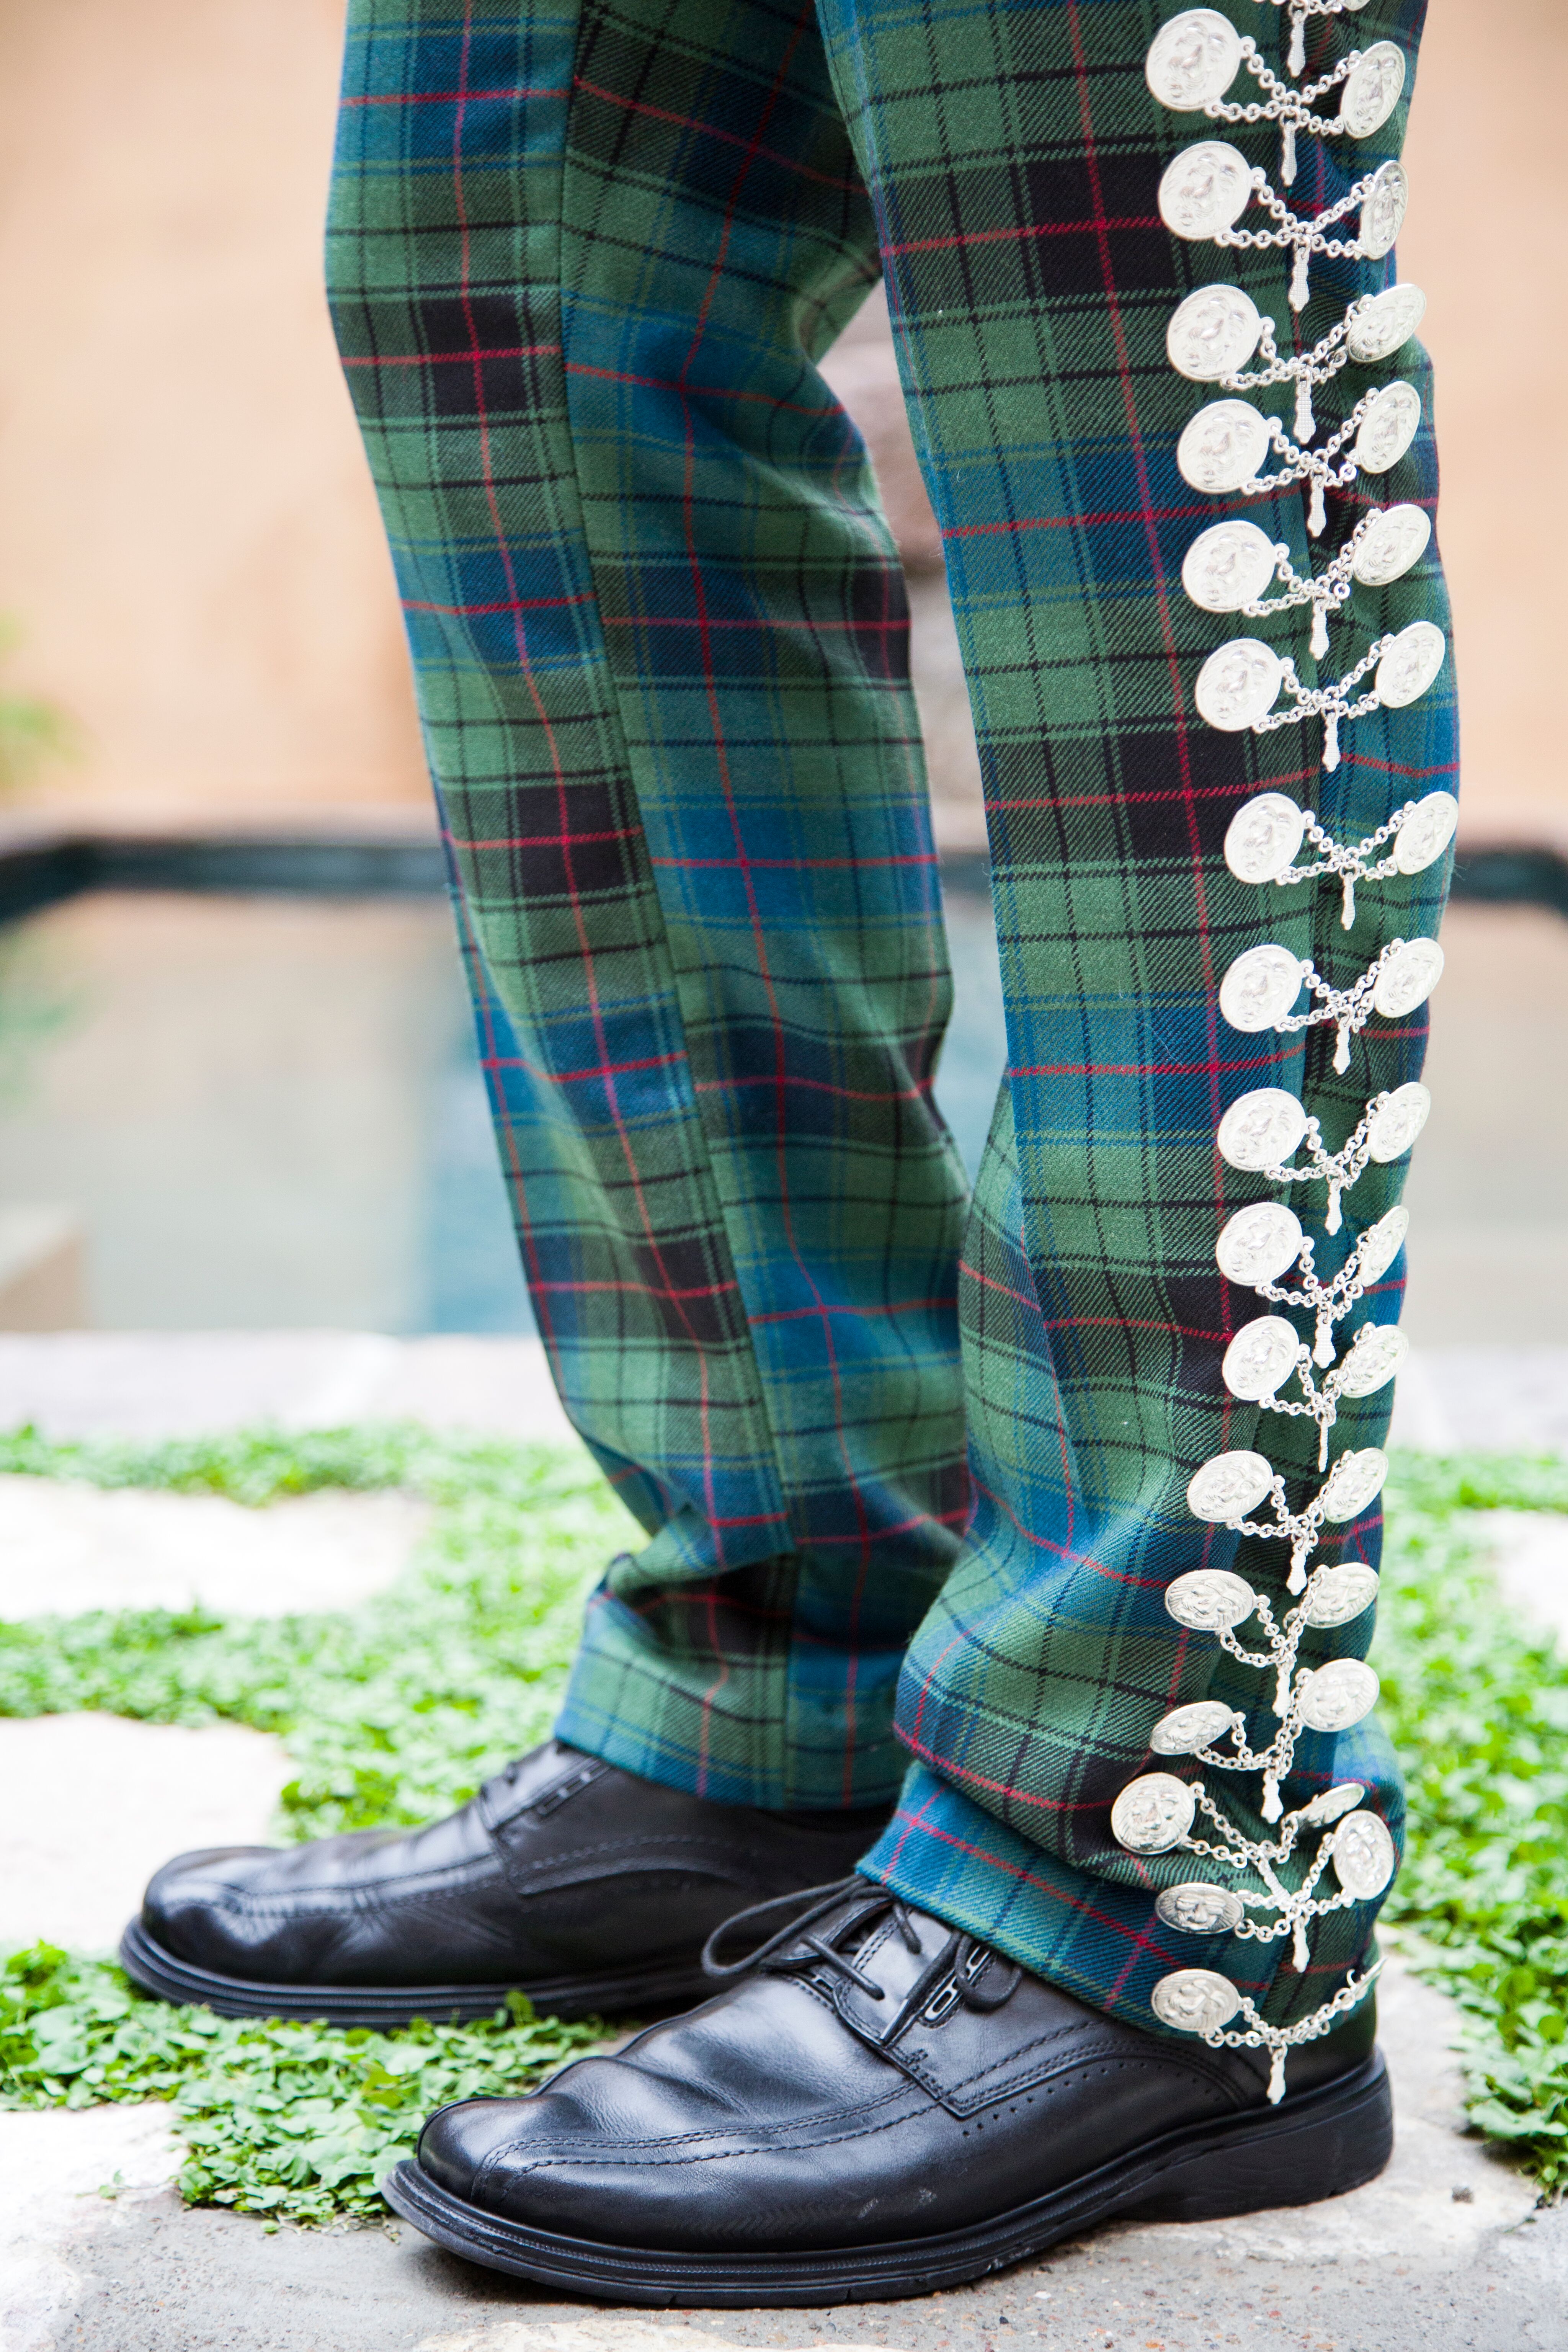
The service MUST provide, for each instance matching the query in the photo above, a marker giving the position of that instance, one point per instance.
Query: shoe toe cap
(459, 2141)
(185, 1905)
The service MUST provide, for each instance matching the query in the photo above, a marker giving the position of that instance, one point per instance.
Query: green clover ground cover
(397, 1708)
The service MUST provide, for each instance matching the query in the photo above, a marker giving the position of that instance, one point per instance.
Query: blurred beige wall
(1485, 237)
(189, 538)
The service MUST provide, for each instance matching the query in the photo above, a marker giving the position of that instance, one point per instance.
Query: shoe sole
(635, 1993)
(1327, 2142)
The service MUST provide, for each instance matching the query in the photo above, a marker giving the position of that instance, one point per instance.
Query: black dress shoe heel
(584, 1887)
(879, 2105)
(1322, 2144)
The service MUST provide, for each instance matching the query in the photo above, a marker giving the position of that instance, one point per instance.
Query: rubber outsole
(634, 1992)
(1327, 2142)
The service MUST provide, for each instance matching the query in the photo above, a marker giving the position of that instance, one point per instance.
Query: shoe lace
(796, 1947)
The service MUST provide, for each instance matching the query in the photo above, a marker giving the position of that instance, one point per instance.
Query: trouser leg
(583, 260)
(1015, 157)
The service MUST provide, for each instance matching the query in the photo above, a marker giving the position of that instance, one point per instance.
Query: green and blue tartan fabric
(912, 1469)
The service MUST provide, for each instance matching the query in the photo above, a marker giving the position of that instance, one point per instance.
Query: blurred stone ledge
(351, 852)
(1517, 856)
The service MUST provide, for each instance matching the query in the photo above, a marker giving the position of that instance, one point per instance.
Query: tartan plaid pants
(912, 1467)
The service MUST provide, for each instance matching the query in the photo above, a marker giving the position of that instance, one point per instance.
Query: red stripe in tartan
(445, 359)
(966, 240)
(401, 98)
(504, 604)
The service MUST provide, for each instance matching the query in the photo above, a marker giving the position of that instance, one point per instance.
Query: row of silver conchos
(1218, 338)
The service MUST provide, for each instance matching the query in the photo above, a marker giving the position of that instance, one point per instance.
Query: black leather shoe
(586, 1888)
(885, 2108)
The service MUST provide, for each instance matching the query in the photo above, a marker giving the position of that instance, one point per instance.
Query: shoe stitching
(535, 2158)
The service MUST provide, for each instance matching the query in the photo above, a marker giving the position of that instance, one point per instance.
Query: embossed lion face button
(1205, 189)
(1195, 2000)
(1152, 1814)
(1197, 1908)
(1260, 987)
(1371, 90)
(1264, 836)
(1228, 566)
(1260, 1244)
(1213, 333)
(1194, 58)
(1261, 1357)
(1383, 210)
(1392, 542)
(1228, 1486)
(1222, 447)
(1408, 978)
(1262, 1130)
(1210, 1599)
(1338, 1694)
(1383, 321)
(1425, 831)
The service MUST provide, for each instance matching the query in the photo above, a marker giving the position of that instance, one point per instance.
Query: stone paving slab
(92, 1804)
(65, 1549)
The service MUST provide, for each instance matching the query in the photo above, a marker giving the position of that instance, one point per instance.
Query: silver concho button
(1381, 1244)
(1260, 1244)
(1210, 1599)
(1335, 1803)
(1213, 333)
(1228, 1486)
(1206, 188)
(1266, 832)
(1195, 2000)
(1393, 1130)
(1228, 566)
(1361, 1852)
(1187, 1728)
(1338, 1694)
(1261, 1357)
(1336, 1596)
(1391, 543)
(1260, 987)
(1373, 88)
(1152, 1814)
(1408, 978)
(1410, 665)
(1388, 427)
(1261, 1130)
(1197, 1908)
(1355, 1480)
(1223, 446)
(1425, 832)
(1238, 684)
(1194, 58)
(1372, 1363)
(1384, 321)
(1383, 210)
